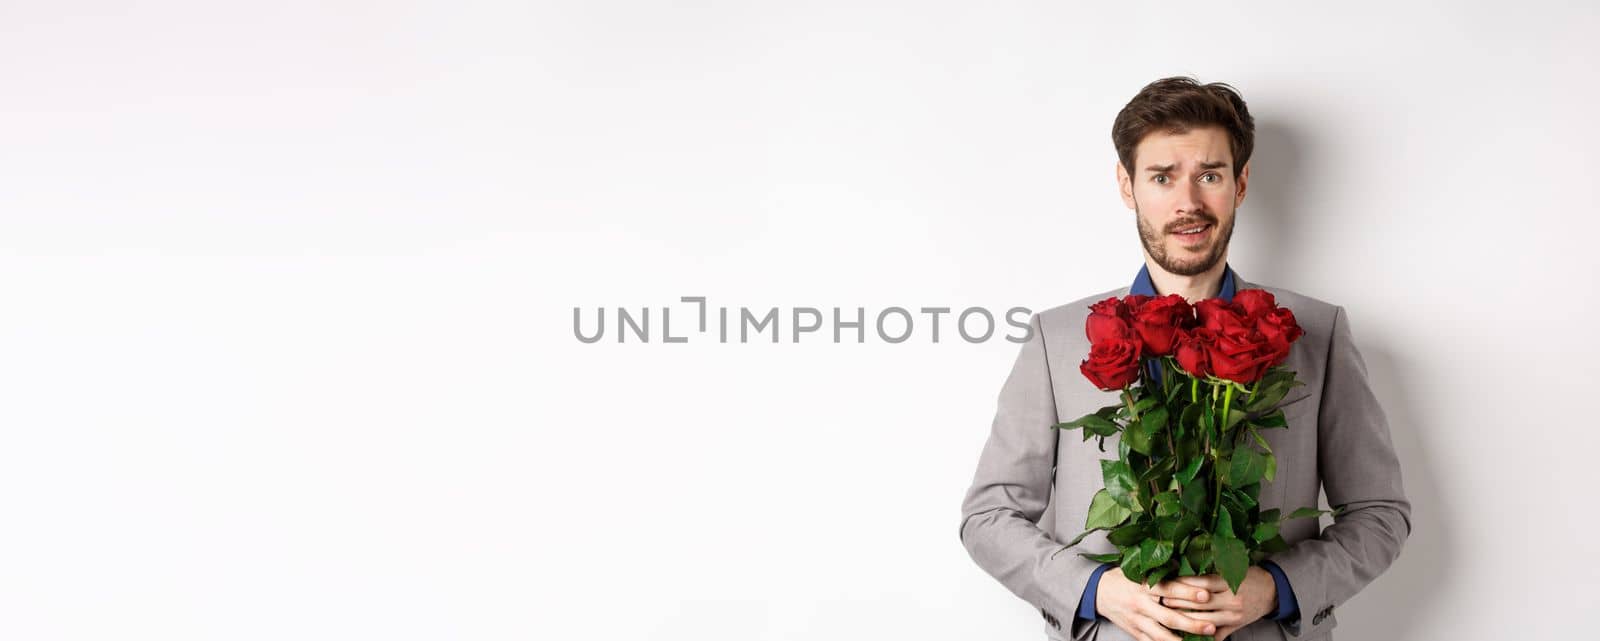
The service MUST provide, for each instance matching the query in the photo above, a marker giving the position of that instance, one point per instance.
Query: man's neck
(1192, 288)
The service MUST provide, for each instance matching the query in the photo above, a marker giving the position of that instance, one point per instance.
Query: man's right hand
(1133, 607)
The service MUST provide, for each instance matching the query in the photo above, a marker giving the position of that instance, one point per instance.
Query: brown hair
(1177, 104)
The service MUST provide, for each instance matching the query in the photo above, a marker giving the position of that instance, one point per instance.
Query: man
(1183, 152)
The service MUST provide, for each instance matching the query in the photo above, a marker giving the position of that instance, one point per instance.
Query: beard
(1155, 243)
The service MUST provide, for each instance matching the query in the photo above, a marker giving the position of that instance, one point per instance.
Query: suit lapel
(1240, 284)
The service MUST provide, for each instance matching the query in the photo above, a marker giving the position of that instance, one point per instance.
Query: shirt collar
(1144, 286)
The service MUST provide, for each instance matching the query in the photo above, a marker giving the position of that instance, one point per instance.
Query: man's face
(1181, 182)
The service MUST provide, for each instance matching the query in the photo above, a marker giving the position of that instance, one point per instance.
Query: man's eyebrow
(1161, 169)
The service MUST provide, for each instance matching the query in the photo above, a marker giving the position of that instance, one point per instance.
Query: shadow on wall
(1281, 184)
(1276, 166)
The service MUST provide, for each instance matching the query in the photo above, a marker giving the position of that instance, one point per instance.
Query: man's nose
(1189, 198)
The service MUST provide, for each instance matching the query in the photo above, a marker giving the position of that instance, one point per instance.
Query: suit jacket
(1033, 484)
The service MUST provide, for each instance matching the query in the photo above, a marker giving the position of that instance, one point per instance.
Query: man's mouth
(1195, 230)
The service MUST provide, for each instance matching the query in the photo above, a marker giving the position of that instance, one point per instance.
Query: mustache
(1201, 219)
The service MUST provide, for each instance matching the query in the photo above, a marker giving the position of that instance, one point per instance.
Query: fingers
(1219, 618)
(1172, 619)
(1173, 591)
(1210, 582)
(1185, 604)
(1153, 631)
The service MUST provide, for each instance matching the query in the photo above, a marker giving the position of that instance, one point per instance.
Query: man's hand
(1132, 607)
(1257, 597)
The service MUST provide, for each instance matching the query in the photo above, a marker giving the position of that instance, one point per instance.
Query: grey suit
(1033, 484)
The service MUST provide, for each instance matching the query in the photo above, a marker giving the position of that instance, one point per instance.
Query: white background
(286, 347)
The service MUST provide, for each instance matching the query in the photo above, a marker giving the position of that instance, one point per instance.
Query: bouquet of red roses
(1198, 384)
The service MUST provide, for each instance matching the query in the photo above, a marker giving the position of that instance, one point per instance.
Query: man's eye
(1161, 179)
(1212, 176)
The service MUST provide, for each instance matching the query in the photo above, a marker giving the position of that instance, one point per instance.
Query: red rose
(1192, 349)
(1133, 302)
(1108, 320)
(1157, 322)
(1254, 303)
(1241, 355)
(1281, 331)
(1217, 315)
(1113, 364)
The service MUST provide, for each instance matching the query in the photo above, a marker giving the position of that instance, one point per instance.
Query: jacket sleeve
(1010, 490)
(1361, 476)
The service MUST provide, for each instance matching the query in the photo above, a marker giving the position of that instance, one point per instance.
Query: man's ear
(1125, 186)
(1244, 180)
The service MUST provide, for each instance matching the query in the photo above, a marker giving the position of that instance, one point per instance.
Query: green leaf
(1198, 552)
(1269, 515)
(1271, 471)
(1235, 416)
(1260, 440)
(1093, 422)
(1177, 529)
(1184, 569)
(1191, 470)
(1265, 530)
(1167, 504)
(1156, 574)
(1132, 562)
(1155, 552)
(1196, 495)
(1246, 467)
(1157, 471)
(1232, 561)
(1274, 545)
(1138, 436)
(1305, 512)
(1129, 534)
(1239, 500)
(1102, 558)
(1267, 396)
(1224, 529)
(1276, 375)
(1189, 420)
(1119, 482)
(1176, 384)
(1271, 389)
(1104, 512)
(1275, 419)
(1155, 419)
(1144, 404)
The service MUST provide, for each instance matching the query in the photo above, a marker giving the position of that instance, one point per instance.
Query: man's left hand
(1257, 597)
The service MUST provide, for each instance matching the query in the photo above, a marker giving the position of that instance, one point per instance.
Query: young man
(1183, 151)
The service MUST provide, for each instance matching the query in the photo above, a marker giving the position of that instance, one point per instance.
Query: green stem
(1216, 457)
(1227, 400)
